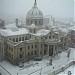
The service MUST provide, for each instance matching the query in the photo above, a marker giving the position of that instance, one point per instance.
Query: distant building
(72, 36)
(2, 23)
(33, 40)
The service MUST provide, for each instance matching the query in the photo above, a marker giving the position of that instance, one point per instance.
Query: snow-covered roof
(42, 32)
(9, 26)
(55, 28)
(33, 26)
(10, 32)
(72, 28)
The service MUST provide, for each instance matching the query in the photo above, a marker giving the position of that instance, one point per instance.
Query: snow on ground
(3, 72)
(71, 68)
(37, 67)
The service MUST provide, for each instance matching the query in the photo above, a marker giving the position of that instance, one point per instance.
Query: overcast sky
(58, 8)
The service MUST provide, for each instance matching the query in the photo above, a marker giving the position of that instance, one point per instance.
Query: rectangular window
(49, 37)
(41, 45)
(45, 37)
(16, 39)
(35, 22)
(32, 46)
(35, 52)
(20, 49)
(20, 39)
(35, 46)
(28, 47)
(21, 56)
(32, 53)
(53, 37)
(12, 56)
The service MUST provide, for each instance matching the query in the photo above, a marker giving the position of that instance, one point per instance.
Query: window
(16, 39)
(45, 37)
(39, 22)
(20, 49)
(40, 52)
(28, 21)
(41, 45)
(7, 46)
(53, 36)
(35, 46)
(31, 22)
(32, 46)
(28, 54)
(9, 38)
(26, 38)
(35, 52)
(49, 37)
(20, 39)
(55, 48)
(32, 53)
(11, 49)
(64, 44)
(28, 47)
(35, 22)
(21, 56)
(30, 36)
(35, 37)
(12, 56)
(34, 30)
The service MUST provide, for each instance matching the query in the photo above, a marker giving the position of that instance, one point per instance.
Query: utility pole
(50, 60)
(41, 70)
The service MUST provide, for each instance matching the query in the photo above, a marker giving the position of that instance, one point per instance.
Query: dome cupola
(34, 15)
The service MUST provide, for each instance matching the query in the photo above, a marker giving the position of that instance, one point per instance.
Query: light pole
(41, 70)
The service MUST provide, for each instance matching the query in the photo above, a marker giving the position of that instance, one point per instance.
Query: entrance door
(45, 49)
(50, 50)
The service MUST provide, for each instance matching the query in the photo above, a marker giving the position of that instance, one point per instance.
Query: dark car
(38, 58)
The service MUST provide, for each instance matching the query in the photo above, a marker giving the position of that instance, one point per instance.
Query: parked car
(38, 58)
(21, 65)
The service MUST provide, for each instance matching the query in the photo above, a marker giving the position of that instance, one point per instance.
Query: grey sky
(58, 8)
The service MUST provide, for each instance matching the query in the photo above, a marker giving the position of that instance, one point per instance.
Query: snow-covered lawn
(42, 67)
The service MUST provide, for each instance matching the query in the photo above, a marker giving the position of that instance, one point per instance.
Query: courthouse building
(22, 43)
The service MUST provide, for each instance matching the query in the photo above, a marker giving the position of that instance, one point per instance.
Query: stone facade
(21, 48)
(36, 41)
